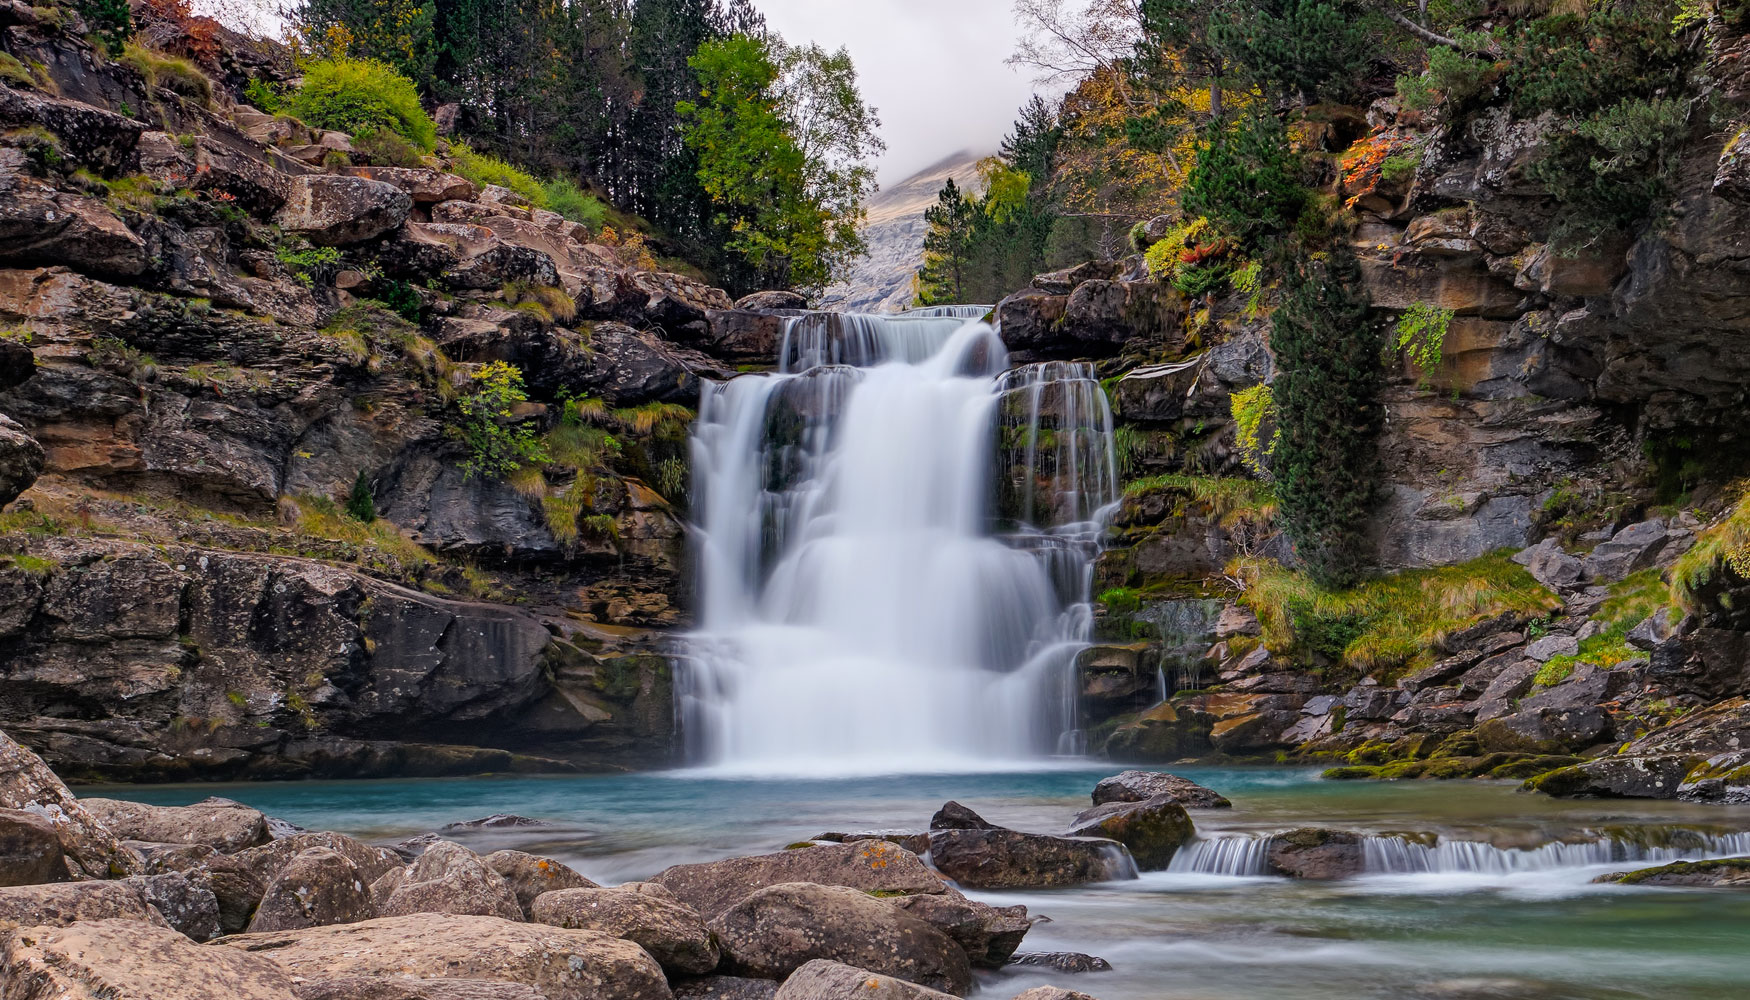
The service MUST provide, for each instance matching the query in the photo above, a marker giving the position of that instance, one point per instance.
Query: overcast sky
(934, 69)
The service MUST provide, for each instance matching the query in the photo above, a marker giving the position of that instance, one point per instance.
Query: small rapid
(1247, 855)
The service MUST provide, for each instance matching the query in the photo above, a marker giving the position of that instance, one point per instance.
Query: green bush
(496, 447)
(360, 504)
(380, 147)
(360, 95)
(574, 203)
(264, 95)
(1615, 165)
(1573, 64)
(111, 21)
(1310, 49)
(484, 169)
(170, 72)
(1421, 335)
(306, 262)
(1246, 180)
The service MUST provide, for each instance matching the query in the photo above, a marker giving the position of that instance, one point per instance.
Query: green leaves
(358, 95)
(497, 446)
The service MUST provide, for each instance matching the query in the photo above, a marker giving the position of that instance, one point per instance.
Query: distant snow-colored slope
(882, 281)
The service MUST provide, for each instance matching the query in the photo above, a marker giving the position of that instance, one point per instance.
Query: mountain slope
(881, 282)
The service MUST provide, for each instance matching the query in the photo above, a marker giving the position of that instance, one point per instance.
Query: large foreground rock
(26, 783)
(1312, 853)
(449, 878)
(30, 852)
(331, 210)
(1009, 859)
(777, 930)
(1140, 786)
(65, 903)
(221, 824)
(126, 960)
(1729, 873)
(644, 913)
(724, 988)
(402, 988)
(1153, 829)
(824, 980)
(988, 934)
(868, 866)
(241, 880)
(561, 964)
(530, 875)
(321, 886)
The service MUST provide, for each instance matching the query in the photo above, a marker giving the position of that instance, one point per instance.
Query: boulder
(1727, 873)
(825, 980)
(30, 852)
(1551, 646)
(529, 876)
(42, 226)
(425, 186)
(870, 866)
(61, 904)
(402, 988)
(1311, 853)
(1010, 859)
(1140, 786)
(561, 964)
(267, 860)
(772, 300)
(915, 841)
(1157, 393)
(319, 886)
(954, 816)
(1062, 961)
(1153, 829)
(126, 960)
(187, 904)
(1634, 548)
(1547, 729)
(988, 934)
(781, 928)
(221, 824)
(27, 784)
(496, 821)
(1631, 777)
(449, 878)
(335, 210)
(642, 912)
(1550, 566)
(724, 988)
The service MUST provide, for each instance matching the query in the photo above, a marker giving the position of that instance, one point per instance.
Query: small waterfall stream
(1244, 855)
(872, 596)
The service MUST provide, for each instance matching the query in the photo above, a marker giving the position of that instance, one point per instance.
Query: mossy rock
(1458, 745)
(1522, 767)
(1398, 770)
(1351, 773)
(1561, 781)
(1726, 872)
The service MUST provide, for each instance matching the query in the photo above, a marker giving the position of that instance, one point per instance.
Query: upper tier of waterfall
(894, 536)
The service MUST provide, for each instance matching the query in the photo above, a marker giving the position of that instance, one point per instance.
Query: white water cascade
(1245, 855)
(894, 538)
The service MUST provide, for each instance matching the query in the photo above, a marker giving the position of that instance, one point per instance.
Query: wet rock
(30, 852)
(1311, 853)
(497, 821)
(642, 912)
(319, 886)
(560, 964)
(869, 866)
(1153, 829)
(402, 988)
(331, 210)
(915, 841)
(1635, 777)
(221, 824)
(826, 980)
(61, 904)
(1010, 859)
(779, 929)
(449, 878)
(529, 876)
(27, 784)
(1545, 729)
(126, 960)
(1051, 993)
(724, 988)
(740, 336)
(954, 816)
(1140, 786)
(187, 904)
(1157, 392)
(1727, 873)
(988, 934)
(1062, 961)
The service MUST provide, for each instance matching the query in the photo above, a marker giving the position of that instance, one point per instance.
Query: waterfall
(866, 604)
(1248, 855)
(1237, 856)
(951, 312)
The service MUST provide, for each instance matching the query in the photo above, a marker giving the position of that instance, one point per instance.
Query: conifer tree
(1328, 414)
(946, 272)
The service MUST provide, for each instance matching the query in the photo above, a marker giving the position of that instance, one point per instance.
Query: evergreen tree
(360, 504)
(946, 274)
(1328, 414)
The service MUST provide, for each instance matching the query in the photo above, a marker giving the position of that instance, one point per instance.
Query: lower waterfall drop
(894, 539)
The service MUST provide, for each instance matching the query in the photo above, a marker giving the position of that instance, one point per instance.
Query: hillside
(881, 282)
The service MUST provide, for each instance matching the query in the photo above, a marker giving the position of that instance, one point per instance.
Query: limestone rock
(988, 934)
(915, 841)
(221, 824)
(772, 300)
(61, 904)
(331, 210)
(425, 186)
(449, 878)
(26, 783)
(187, 904)
(404, 988)
(1140, 786)
(1638, 777)
(1634, 548)
(126, 960)
(724, 988)
(643, 912)
(827, 980)
(1550, 566)
(781, 928)
(30, 852)
(1551, 646)
(1153, 829)
(954, 816)
(319, 886)
(560, 964)
(1311, 853)
(529, 876)
(1010, 859)
(869, 866)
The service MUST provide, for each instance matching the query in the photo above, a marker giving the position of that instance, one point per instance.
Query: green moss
(1252, 409)
(1686, 868)
(1352, 773)
(31, 565)
(172, 73)
(1725, 545)
(484, 169)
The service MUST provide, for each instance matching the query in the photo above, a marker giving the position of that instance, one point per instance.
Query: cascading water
(894, 537)
(1248, 855)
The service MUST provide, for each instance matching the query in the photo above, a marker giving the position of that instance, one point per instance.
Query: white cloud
(933, 68)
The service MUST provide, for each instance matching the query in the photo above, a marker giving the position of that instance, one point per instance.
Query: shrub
(1618, 163)
(1582, 64)
(403, 301)
(110, 20)
(1328, 415)
(574, 203)
(1245, 180)
(360, 504)
(170, 72)
(1722, 546)
(484, 169)
(496, 447)
(306, 262)
(1421, 335)
(1299, 48)
(264, 95)
(382, 148)
(545, 301)
(359, 95)
(1252, 409)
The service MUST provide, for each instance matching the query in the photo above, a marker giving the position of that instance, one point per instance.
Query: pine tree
(360, 504)
(1328, 414)
(946, 273)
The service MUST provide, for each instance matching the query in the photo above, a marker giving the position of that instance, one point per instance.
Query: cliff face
(199, 366)
(882, 281)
